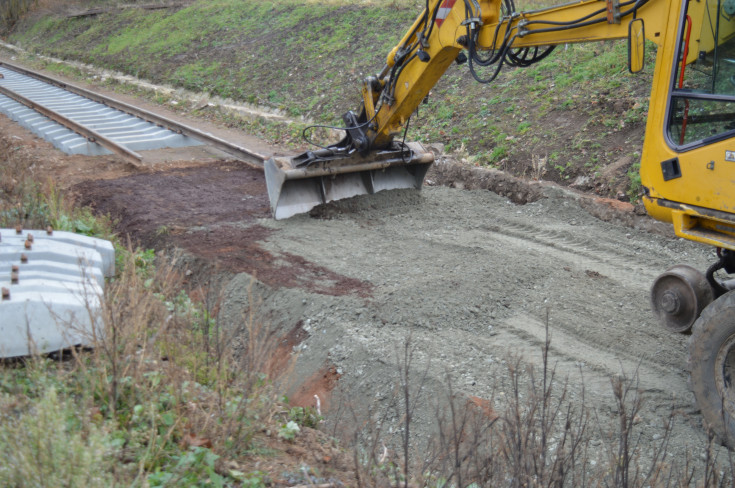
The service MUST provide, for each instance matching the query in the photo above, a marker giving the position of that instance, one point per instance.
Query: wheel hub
(679, 295)
(670, 302)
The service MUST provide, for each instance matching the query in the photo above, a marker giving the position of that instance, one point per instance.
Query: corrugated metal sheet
(132, 132)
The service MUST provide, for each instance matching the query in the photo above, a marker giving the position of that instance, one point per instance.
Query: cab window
(702, 103)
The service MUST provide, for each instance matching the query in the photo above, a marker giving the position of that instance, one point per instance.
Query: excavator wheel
(712, 367)
(679, 295)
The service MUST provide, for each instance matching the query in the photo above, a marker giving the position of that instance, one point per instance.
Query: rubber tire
(712, 330)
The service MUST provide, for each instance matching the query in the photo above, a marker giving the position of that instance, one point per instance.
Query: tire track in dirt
(575, 356)
(469, 276)
(612, 253)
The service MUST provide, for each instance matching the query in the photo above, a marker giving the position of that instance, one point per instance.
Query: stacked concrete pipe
(52, 286)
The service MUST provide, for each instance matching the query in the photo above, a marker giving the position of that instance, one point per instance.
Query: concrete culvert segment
(52, 287)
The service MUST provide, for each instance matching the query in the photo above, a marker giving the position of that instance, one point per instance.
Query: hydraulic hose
(505, 53)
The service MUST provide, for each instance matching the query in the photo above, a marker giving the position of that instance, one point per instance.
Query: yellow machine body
(689, 180)
(699, 200)
(687, 164)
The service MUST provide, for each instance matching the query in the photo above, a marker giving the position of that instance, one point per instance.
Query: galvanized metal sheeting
(129, 131)
(52, 289)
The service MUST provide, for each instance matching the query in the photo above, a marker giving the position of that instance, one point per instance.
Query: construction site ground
(470, 270)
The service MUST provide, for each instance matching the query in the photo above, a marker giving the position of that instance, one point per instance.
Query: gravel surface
(471, 278)
(468, 275)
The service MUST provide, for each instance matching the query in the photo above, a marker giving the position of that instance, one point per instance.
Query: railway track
(80, 121)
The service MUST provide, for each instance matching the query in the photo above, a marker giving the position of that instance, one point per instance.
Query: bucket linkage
(298, 184)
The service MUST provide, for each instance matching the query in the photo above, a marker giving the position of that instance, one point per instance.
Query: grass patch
(165, 397)
(47, 444)
(307, 60)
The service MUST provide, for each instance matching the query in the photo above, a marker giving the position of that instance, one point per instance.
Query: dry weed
(530, 432)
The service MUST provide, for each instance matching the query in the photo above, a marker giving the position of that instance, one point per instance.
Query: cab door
(689, 153)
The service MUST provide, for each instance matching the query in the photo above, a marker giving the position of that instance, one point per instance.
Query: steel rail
(253, 158)
(91, 134)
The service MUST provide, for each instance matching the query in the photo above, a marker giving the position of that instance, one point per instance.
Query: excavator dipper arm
(370, 158)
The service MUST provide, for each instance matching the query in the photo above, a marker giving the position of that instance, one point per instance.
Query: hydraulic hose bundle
(505, 54)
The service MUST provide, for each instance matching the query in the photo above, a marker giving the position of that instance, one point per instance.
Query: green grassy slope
(578, 112)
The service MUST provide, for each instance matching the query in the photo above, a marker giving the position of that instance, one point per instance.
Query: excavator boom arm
(436, 40)
(493, 34)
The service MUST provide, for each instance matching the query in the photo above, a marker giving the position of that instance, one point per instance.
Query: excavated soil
(469, 275)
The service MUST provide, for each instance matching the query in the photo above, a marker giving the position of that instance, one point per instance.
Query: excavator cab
(688, 159)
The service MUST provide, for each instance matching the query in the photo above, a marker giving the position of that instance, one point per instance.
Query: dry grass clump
(12, 10)
(170, 375)
(21, 199)
(532, 432)
(40, 446)
(161, 391)
(33, 203)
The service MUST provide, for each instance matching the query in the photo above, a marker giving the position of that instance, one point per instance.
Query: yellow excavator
(687, 163)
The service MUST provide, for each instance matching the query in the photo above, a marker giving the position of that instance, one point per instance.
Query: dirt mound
(467, 274)
(449, 173)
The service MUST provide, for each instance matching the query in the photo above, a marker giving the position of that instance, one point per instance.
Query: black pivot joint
(356, 131)
(725, 262)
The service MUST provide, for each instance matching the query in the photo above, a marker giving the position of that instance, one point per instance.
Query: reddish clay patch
(481, 406)
(320, 384)
(615, 204)
(237, 249)
(282, 357)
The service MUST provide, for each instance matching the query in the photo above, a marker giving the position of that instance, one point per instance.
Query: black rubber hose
(717, 288)
(501, 57)
(497, 55)
(567, 26)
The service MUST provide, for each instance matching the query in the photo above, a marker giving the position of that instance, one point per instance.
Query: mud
(469, 275)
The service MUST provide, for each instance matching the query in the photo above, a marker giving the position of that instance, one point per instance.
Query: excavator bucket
(296, 185)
